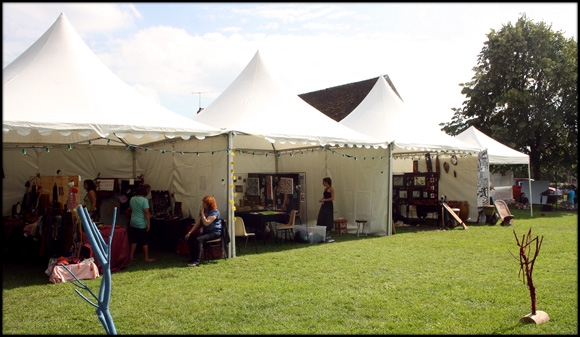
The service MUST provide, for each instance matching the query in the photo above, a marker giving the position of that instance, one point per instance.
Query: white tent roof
(258, 104)
(497, 152)
(384, 116)
(59, 92)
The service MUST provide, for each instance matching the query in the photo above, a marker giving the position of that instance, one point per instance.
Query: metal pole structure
(390, 187)
(230, 194)
(530, 186)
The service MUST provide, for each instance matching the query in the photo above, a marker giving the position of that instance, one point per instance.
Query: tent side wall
(360, 184)
(201, 170)
(461, 186)
(87, 162)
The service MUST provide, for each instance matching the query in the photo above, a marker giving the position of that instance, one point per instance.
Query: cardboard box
(315, 234)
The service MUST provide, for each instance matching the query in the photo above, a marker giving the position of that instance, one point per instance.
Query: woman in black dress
(326, 213)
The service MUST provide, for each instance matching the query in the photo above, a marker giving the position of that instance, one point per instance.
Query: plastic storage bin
(315, 234)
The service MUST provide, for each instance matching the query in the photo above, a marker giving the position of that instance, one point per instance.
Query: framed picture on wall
(416, 194)
(425, 194)
(403, 194)
(419, 181)
(253, 187)
(398, 181)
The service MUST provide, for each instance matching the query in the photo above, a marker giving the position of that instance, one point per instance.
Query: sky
(184, 55)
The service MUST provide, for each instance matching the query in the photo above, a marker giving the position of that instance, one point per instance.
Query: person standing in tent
(90, 200)
(281, 201)
(140, 223)
(326, 213)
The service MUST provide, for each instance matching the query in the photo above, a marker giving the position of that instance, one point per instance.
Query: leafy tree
(524, 94)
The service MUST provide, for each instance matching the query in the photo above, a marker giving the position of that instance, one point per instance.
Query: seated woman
(523, 202)
(209, 220)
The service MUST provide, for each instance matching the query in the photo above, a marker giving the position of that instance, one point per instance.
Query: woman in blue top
(209, 219)
(140, 224)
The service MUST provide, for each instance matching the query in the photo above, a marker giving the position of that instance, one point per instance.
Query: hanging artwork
(446, 167)
(253, 187)
(286, 185)
(269, 187)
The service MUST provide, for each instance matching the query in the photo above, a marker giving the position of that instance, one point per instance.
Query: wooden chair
(507, 219)
(221, 242)
(287, 229)
(241, 233)
(298, 218)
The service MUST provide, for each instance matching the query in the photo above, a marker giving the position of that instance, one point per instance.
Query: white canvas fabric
(58, 91)
(497, 152)
(259, 104)
(383, 115)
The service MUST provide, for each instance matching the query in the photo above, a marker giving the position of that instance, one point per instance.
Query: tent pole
(530, 186)
(230, 195)
(390, 188)
(133, 149)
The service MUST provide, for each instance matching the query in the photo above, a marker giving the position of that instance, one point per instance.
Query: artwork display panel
(253, 187)
(276, 191)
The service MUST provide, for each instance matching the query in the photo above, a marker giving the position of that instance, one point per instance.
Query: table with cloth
(120, 249)
(258, 220)
(165, 234)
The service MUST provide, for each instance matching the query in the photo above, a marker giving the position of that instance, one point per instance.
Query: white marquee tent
(89, 120)
(383, 115)
(59, 92)
(264, 117)
(256, 103)
(63, 109)
(497, 152)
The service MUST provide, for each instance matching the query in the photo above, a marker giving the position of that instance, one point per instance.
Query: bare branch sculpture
(529, 250)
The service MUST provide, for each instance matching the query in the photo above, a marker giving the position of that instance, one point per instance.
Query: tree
(524, 94)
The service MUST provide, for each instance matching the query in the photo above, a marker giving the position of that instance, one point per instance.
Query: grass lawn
(418, 281)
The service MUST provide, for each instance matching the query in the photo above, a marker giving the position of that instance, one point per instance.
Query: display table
(258, 220)
(164, 234)
(120, 249)
(552, 198)
(424, 212)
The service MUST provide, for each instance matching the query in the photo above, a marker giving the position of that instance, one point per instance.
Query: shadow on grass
(18, 272)
(23, 269)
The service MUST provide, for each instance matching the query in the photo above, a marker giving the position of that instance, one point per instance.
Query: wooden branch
(527, 263)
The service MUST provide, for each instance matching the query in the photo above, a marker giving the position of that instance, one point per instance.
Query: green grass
(418, 281)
